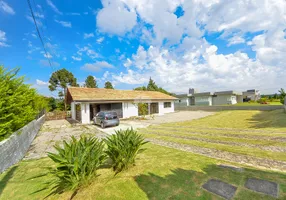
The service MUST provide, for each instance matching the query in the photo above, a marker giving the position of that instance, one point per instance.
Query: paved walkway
(56, 131)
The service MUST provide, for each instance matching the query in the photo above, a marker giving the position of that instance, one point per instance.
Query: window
(167, 104)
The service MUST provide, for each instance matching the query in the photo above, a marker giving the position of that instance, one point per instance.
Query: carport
(98, 107)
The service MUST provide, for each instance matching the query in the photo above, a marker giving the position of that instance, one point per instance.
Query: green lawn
(256, 104)
(160, 173)
(166, 173)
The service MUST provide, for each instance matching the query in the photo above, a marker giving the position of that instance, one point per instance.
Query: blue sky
(208, 45)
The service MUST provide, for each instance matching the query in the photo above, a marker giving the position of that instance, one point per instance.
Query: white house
(86, 102)
(209, 98)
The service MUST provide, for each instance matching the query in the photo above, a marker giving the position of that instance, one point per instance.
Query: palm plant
(123, 147)
(76, 162)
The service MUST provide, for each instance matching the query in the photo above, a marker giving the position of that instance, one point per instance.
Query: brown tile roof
(100, 94)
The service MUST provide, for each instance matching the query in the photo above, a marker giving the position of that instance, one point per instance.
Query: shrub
(19, 103)
(142, 109)
(123, 147)
(76, 162)
(262, 101)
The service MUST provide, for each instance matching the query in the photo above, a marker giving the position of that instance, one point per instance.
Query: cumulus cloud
(100, 40)
(202, 67)
(4, 7)
(88, 35)
(41, 83)
(97, 66)
(3, 39)
(76, 58)
(53, 7)
(116, 18)
(179, 56)
(88, 51)
(64, 23)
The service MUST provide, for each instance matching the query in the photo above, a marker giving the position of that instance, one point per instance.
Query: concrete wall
(163, 110)
(14, 148)
(203, 101)
(85, 113)
(129, 109)
(224, 99)
(220, 108)
(182, 102)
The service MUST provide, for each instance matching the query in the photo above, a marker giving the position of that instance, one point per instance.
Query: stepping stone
(239, 169)
(262, 186)
(220, 188)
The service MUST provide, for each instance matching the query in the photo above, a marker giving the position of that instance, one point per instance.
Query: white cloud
(88, 35)
(128, 63)
(39, 15)
(131, 77)
(97, 66)
(76, 58)
(64, 58)
(64, 23)
(41, 83)
(202, 68)
(6, 8)
(235, 40)
(3, 39)
(100, 40)
(116, 18)
(47, 55)
(88, 51)
(54, 8)
(38, 21)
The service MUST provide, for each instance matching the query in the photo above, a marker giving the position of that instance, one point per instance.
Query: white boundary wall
(14, 148)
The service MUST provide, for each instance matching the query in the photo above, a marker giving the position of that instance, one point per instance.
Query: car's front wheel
(102, 125)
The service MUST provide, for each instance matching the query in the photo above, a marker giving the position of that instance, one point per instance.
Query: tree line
(61, 79)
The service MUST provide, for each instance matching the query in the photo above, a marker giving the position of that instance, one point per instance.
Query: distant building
(253, 95)
(215, 98)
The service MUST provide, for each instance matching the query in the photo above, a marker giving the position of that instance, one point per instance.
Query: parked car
(106, 118)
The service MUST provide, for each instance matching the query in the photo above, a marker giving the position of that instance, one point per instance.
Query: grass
(256, 104)
(165, 173)
(262, 120)
(160, 173)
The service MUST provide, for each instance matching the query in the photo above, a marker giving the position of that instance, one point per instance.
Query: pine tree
(152, 85)
(90, 82)
(108, 85)
(61, 79)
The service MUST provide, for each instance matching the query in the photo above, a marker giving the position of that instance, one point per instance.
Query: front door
(154, 108)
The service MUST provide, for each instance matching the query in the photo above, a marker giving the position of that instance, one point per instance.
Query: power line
(37, 28)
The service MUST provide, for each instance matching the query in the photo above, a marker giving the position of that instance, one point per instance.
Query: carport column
(149, 109)
(85, 113)
(73, 110)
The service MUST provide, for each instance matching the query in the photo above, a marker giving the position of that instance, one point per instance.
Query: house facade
(253, 95)
(87, 102)
(230, 97)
